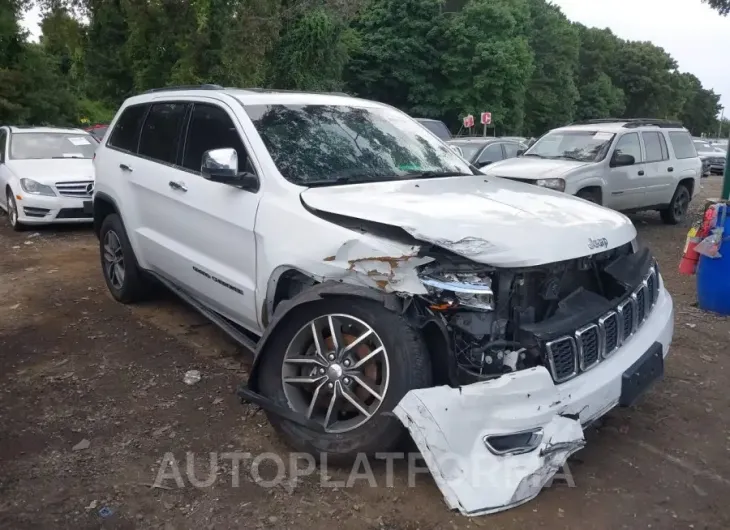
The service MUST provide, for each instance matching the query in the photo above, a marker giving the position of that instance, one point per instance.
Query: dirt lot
(79, 368)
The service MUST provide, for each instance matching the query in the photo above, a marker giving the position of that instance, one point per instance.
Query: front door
(625, 184)
(209, 226)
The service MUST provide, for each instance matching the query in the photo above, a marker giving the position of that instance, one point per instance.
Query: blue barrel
(713, 276)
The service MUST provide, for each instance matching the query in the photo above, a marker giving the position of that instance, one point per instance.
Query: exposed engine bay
(499, 320)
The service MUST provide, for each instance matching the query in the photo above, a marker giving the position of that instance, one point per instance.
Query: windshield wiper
(570, 157)
(76, 157)
(436, 174)
(533, 154)
(338, 181)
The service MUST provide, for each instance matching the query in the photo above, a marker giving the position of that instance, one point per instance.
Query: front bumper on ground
(42, 209)
(450, 425)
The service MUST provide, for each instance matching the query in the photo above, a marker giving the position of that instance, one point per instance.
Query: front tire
(345, 363)
(13, 213)
(118, 264)
(677, 209)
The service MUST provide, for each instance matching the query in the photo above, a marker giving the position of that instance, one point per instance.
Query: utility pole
(719, 125)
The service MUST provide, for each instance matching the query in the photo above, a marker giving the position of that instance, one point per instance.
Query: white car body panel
(489, 220)
(475, 481)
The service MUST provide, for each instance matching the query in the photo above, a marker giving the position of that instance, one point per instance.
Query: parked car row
(712, 157)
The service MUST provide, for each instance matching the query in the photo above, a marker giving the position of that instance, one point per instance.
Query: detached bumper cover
(450, 425)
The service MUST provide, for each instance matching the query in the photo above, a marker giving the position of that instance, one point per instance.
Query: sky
(696, 36)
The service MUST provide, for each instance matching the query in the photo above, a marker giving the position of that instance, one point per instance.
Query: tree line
(523, 60)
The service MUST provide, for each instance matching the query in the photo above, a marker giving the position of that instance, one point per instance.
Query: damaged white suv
(381, 280)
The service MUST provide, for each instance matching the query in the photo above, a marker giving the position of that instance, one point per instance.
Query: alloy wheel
(113, 259)
(12, 211)
(681, 204)
(335, 372)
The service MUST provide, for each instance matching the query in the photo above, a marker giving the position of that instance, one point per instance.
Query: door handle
(641, 172)
(178, 186)
(670, 169)
(125, 167)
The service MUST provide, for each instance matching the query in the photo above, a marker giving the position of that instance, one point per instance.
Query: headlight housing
(553, 184)
(32, 187)
(463, 289)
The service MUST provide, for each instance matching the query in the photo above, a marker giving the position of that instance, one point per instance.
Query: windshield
(315, 145)
(38, 146)
(585, 146)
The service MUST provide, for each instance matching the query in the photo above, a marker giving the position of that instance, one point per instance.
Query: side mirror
(483, 164)
(521, 152)
(221, 165)
(621, 160)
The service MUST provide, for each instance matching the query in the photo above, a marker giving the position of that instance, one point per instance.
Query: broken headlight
(463, 289)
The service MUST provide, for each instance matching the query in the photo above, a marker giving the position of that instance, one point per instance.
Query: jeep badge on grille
(597, 243)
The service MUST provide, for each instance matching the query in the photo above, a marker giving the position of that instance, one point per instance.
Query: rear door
(658, 178)
(626, 184)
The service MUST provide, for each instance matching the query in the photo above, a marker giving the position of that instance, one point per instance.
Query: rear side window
(210, 128)
(682, 144)
(656, 148)
(161, 132)
(493, 153)
(126, 132)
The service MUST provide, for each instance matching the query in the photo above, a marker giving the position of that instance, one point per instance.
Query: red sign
(469, 121)
(486, 118)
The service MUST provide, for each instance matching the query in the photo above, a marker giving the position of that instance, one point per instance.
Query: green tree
(721, 6)
(700, 111)
(552, 94)
(488, 62)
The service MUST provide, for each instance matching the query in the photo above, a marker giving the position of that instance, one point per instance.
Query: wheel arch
(689, 183)
(592, 188)
(104, 205)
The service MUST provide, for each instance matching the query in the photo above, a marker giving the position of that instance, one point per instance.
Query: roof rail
(207, 86)
(285, 91)
(631, 123)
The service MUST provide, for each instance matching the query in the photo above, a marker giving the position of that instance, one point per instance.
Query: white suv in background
(46, 175)
(627, 165)
(381, 280)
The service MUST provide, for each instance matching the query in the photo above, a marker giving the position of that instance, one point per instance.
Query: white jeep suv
(627, 165)
(380, 279)
(46, 175)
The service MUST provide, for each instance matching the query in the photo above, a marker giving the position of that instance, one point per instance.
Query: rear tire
(593, 196)
(677, 209)
(406, 360)
(118, 264)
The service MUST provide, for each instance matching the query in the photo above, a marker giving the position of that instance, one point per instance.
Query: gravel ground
(93, 398)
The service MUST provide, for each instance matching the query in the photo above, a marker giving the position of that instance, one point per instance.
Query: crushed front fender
(452, 428)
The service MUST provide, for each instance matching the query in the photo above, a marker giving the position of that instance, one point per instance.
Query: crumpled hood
(53, 170)
(532, 168)
(489, 220)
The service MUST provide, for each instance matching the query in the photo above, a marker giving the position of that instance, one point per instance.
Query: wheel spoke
(367, 384)
(108, 253)
(119, 273)
(355, 402)
(315, 395)
(331, 407)
(365, 359)
(358, 340)
(319, 341)
(306, 361)
(336, 332)
(304, 379)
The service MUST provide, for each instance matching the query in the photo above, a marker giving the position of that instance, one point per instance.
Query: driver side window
(492, 153)
(211, 128)
(629, 144)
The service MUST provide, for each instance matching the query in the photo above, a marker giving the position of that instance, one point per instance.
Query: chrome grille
(82, 189)
(569, 355)
(610, 327)
(588, 340)
(561, 356)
